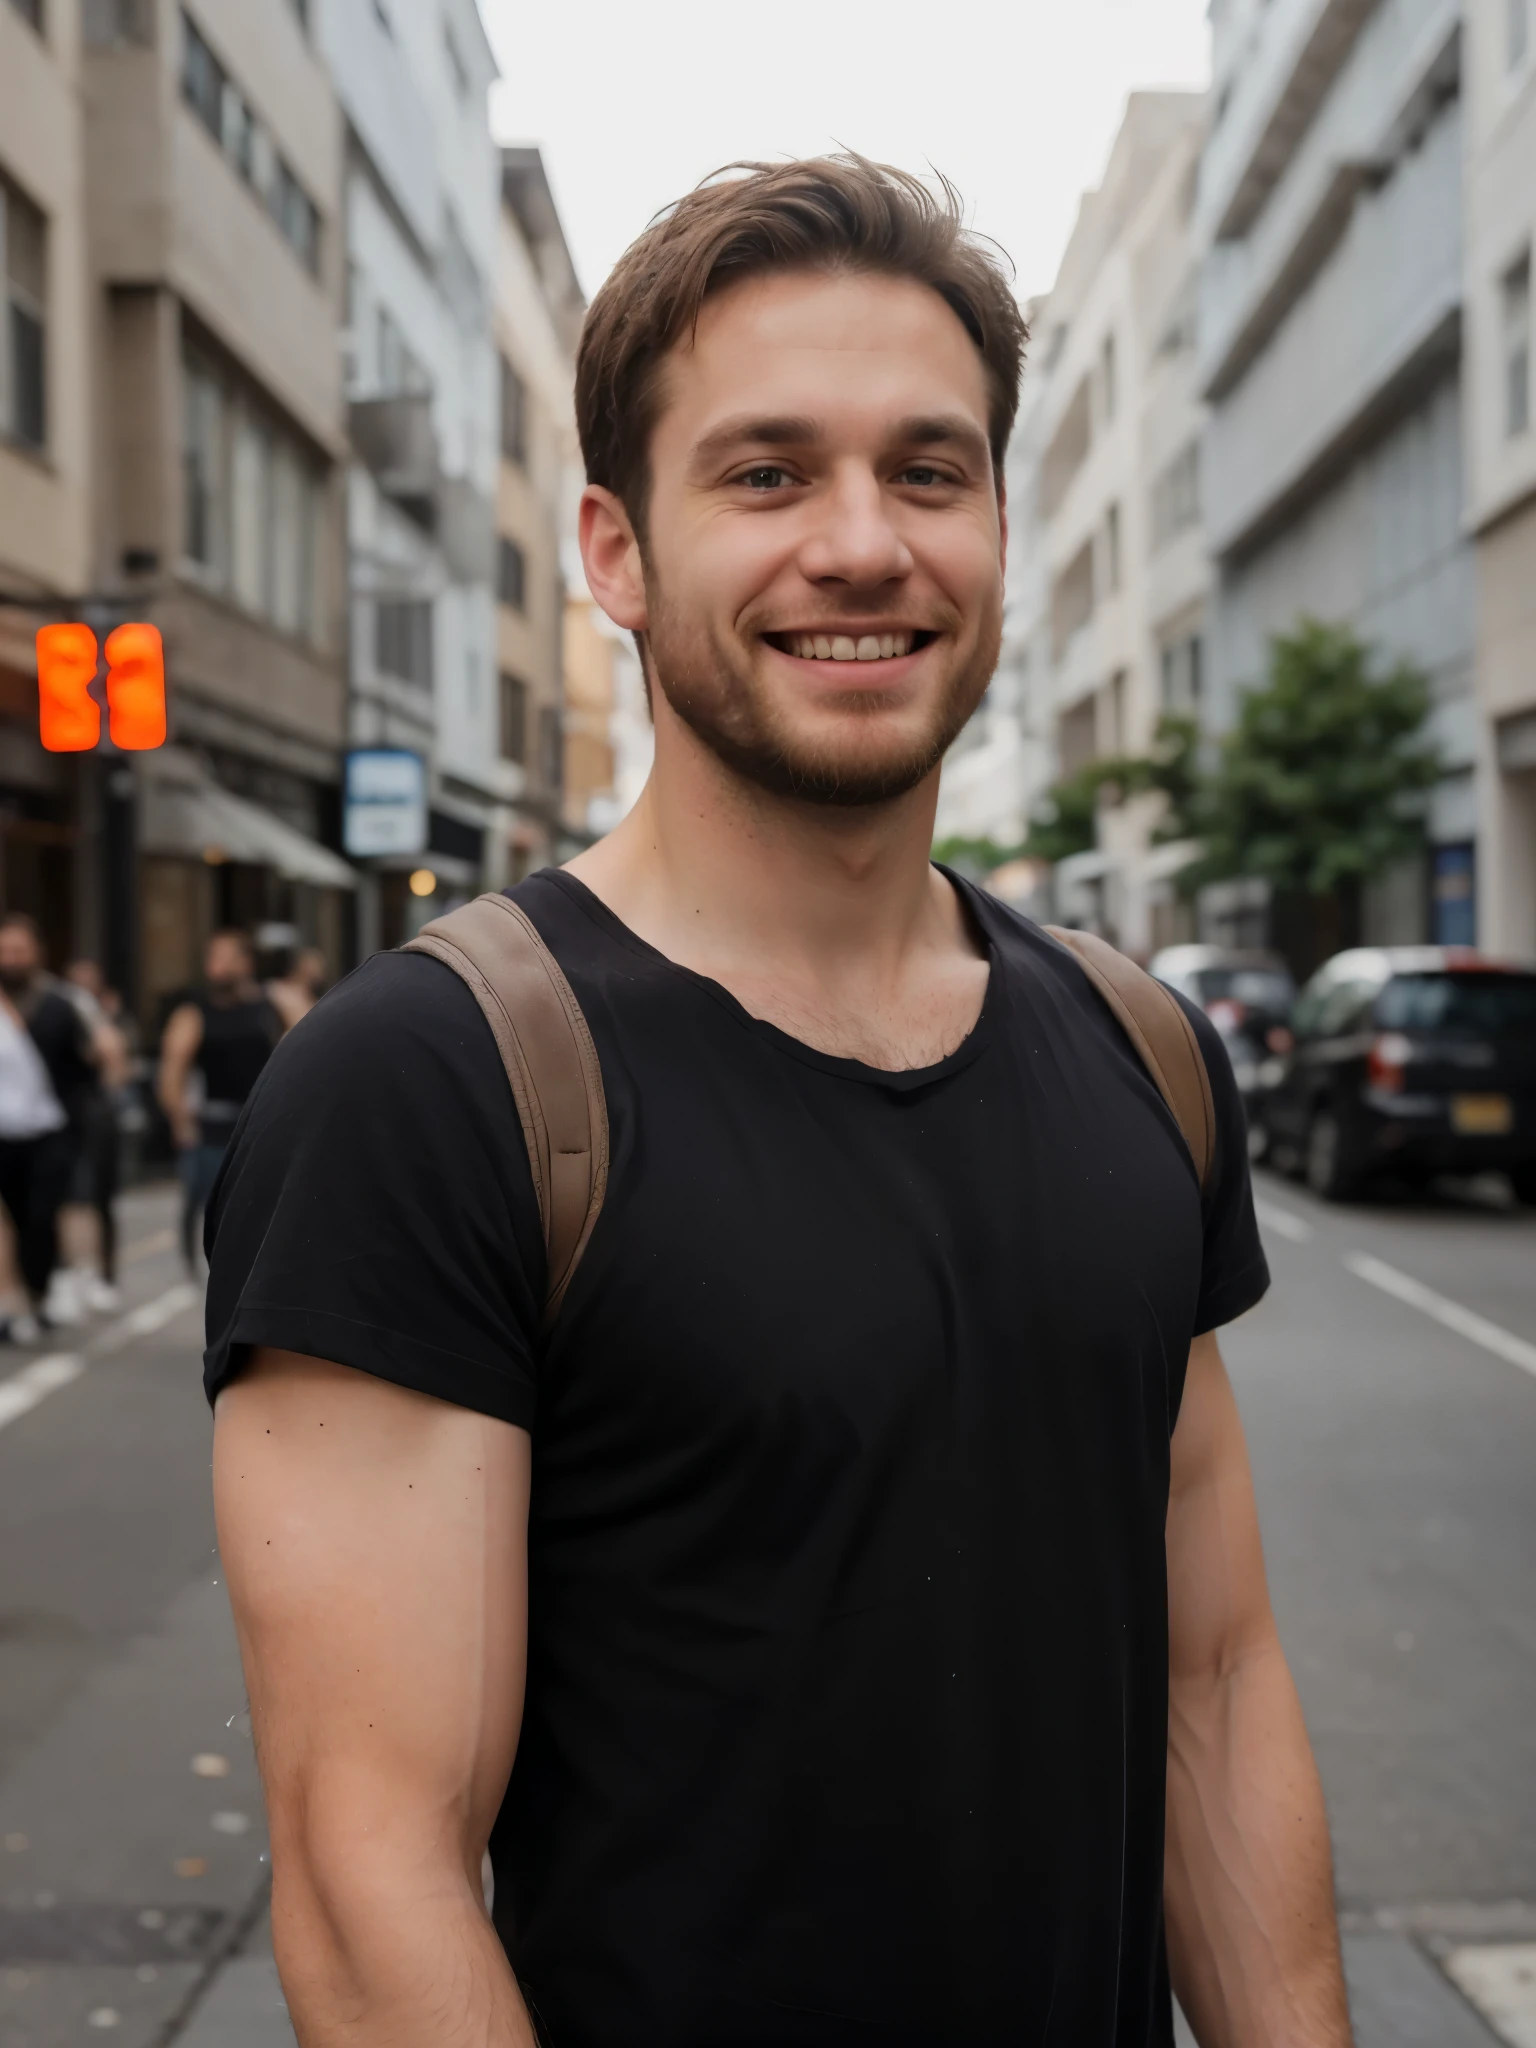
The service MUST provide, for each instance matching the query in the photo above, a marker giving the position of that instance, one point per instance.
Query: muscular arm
(1252, 1933)
(178, 1049)
(374, 1542)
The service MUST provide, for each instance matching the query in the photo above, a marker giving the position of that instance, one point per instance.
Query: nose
(851, 538)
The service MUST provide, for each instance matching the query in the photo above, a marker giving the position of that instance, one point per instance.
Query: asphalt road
(1389, 1389)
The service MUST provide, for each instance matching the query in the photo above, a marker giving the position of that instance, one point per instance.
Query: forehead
(843, 347)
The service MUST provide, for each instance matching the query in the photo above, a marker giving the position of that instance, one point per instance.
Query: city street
(1389, 1388)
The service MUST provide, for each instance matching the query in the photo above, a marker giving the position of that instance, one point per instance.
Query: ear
(610, 555)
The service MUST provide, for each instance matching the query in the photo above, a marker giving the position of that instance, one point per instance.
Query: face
(20, 956)
(821, 579)
(226, 963)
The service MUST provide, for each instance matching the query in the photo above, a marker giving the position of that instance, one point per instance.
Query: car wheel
(1329, 1172)
(1523, 1180)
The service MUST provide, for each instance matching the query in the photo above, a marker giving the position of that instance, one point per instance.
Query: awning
(184, 811)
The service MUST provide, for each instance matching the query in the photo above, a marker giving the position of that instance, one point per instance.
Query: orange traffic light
(69, 718)
(136, 686)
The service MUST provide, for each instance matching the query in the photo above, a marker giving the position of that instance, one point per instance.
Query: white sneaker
(63, 1305)
(99, 1295)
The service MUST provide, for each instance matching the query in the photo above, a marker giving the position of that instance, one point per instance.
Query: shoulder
(391, 1023)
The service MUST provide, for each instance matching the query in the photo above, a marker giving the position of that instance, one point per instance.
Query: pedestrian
(224, 1037)
(817, 1610)
(88, 1221)
(49, 1063)
(296, 991)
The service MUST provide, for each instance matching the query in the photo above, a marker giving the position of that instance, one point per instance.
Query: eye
(765, 476)
(924, 475)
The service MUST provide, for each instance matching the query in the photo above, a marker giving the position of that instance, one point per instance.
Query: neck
(715, 871)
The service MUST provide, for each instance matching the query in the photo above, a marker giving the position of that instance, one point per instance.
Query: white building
(421, 207)
(1499, 61)
(1330, 210)
(1107, 572)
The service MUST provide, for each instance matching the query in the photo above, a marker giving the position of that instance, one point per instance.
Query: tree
(1319, 787)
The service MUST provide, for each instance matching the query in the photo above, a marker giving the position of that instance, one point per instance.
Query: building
(1499, 59)
(1330, 355)
(551, 670)
(420, 182)
(47, 801)
(1107, 567)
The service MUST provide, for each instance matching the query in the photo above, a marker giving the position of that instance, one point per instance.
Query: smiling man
(817, 1618)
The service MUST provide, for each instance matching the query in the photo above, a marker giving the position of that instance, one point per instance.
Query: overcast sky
(1017, 101)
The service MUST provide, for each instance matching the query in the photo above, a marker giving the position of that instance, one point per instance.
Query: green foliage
(1320, 784)
(973, 857)
(1066, 820)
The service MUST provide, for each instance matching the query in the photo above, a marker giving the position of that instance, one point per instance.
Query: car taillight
(1389, 1054)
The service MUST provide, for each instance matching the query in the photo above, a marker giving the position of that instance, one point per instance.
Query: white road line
(1282, 1222)
(44, 1376)
(1475, 1328)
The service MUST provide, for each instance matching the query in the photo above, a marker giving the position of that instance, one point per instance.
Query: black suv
(1409, 1060)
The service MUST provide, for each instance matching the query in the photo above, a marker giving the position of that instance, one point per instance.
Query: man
(225, 1035)
(52, 1079)
(295, 992)
(811, 1566)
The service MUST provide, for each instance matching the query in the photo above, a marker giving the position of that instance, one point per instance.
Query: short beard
(725, 709)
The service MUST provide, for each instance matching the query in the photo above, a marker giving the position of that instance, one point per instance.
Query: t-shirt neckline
(900, 1081)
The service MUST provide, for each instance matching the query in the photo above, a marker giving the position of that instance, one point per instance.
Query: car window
(1490, 1005)
(1335, 1007)
(1256, 988)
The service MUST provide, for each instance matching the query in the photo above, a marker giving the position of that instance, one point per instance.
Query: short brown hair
(822, 213)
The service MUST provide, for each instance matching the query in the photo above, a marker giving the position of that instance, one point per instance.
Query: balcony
(395, 437)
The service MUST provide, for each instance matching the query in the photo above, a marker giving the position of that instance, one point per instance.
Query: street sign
(69, 717)
(385, 807)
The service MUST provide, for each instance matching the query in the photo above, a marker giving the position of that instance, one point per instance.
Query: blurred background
(291, 293)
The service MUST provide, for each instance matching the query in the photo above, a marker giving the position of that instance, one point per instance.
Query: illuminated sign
(385, 807)
(69, 717)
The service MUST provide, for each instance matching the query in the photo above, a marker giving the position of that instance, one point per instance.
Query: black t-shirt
(847, 1679)
(62, 1038)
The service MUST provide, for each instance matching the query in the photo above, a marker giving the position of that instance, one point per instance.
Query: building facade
(1330, 356)
(48, 863)
(419, 182)
(1499, 63)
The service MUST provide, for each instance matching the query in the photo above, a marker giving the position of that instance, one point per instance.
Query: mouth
(851, 647)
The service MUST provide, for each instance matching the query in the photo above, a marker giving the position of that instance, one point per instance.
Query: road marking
(1475, 1328)
(44, 1376)
(1501, 1983)
(1282, 1222)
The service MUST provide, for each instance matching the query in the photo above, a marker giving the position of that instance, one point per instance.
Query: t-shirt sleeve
(377, 1207)
(1234, 1272)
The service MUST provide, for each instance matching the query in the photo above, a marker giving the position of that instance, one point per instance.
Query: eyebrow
(753, 430)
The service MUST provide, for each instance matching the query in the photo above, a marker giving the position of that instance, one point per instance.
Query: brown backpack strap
(551, 1063)
(1156, 1025)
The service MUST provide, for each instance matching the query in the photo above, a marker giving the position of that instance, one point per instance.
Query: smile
(849, 646)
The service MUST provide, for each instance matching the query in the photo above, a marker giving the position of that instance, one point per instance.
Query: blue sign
(384, 808)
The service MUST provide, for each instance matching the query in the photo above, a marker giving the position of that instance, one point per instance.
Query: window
(251, 501)
(512, 574)
(31, 12)
(514, 718)
(1516, 294)
(23, 338)
(551, 749)
(400, 374)
(1183, 663)
(1176, 496)
(402, 641)
(1112, 549)
(1517, 32)
(225, 113)
(514, 414)
(110, 22)
(1107, 377)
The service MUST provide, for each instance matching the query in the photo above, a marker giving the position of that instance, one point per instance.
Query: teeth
(843, 647)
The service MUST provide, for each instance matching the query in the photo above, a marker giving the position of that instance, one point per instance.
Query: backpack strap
(551, 1062)
(1154, 1021)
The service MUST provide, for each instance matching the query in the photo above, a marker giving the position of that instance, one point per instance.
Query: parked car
(1246, 994)
(1414, 1061)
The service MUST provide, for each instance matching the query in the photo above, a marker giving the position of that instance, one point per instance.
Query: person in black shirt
(224, 1035)
(817, 1619)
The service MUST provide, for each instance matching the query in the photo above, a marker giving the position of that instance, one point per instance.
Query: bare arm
(109, 1054)
(374, 1542)
(1252, 1932)
(178, 1049)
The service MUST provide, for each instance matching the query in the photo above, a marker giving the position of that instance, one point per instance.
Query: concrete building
(1330, 324)
(1107, 569)
(1499, 60)
(551, 672)
(420, 182)
(46, 800)
(212, 173)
